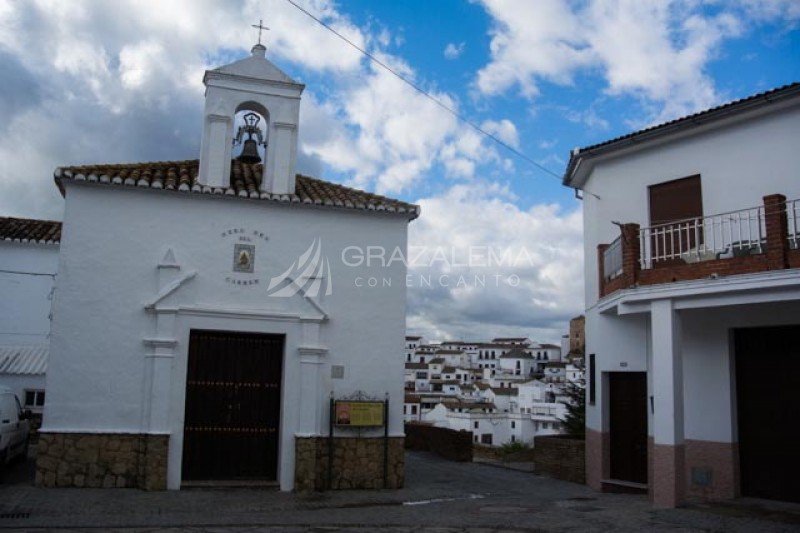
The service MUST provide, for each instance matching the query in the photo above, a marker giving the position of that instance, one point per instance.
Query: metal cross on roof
(260, 27)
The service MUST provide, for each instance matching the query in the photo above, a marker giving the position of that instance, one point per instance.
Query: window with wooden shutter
(676, 215)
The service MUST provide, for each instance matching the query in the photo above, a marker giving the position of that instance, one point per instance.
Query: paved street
(440, 496)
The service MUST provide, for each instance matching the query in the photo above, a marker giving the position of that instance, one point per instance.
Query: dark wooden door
(671, 201)
(628, 410)
(233, 400)
(768, 405)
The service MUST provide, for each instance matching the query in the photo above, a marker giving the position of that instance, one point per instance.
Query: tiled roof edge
(412, 211)
(707, 115)
(33, 226)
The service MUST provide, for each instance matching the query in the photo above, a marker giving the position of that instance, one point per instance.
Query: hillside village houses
(504, 391)
(692, 273)
(200, 323)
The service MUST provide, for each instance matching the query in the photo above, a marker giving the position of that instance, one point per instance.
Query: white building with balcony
(692, 284)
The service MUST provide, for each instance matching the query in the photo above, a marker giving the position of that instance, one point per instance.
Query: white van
(14, 428)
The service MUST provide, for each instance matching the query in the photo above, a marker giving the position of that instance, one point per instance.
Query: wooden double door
(767, 387)
(233, 403)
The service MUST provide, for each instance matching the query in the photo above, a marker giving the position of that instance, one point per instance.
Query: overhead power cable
(425, 93)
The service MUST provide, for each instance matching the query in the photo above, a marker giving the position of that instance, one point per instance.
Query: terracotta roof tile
(30, 230)
(245, 183)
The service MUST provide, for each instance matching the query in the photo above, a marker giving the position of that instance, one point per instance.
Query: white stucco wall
(622, 343)
(113, 240)
(27, 271)
(738, 165)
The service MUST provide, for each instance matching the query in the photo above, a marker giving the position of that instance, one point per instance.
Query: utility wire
(422, 91)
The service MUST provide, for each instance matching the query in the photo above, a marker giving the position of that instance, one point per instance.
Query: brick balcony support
(630, 261)
(777, 226)
(601, 275)
(630, 253)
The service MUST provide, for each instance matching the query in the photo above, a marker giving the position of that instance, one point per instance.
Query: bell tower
(257, 87)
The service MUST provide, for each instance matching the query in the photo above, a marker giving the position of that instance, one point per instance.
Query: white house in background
(412, 408)
(28, 266)
(413, 342)
(565, 344)
(551, 351)
(163, 265)
(555, 372)
(504, 398)
(517, 361)
(692, 297)
(22, 369)
(452, 357)
(574, 374)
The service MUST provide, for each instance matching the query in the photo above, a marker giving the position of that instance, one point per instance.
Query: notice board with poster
(353, 413)
(359, 413)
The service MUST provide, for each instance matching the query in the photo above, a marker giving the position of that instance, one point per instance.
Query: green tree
(575, 419)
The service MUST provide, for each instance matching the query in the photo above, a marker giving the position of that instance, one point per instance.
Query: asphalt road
(439, 496)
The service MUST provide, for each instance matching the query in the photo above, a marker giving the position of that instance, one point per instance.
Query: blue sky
(763, 56)
(94, 81)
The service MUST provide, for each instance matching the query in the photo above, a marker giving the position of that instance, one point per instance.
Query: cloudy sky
(115, 81)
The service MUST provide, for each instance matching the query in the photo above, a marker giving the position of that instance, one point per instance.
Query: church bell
(250, 146)
(250, 152)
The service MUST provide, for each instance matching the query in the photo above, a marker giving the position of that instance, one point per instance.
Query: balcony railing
(755, 239)
(733, 234)
(793, 223)
(612, 259)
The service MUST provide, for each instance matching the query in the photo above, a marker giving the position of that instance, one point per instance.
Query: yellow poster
(358, 413)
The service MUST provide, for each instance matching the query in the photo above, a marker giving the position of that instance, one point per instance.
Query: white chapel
(203, 318)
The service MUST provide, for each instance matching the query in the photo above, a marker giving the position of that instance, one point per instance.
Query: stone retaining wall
(561, 458)
(357, 463)
(102, 460)
(449, 443)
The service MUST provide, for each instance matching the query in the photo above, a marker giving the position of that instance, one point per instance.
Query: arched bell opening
(251, 127)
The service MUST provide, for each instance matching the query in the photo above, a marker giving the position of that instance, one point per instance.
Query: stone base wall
(105, 460)
(561, 458)
(357, 463)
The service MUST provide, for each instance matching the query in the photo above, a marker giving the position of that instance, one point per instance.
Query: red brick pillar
(630, 253)
(777, 226)
(601, 275)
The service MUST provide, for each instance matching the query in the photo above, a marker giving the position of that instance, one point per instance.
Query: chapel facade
(204, 320)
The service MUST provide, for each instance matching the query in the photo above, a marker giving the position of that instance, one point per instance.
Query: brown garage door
(767, 386)
(233, 399)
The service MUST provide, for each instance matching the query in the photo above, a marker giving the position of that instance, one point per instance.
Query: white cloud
(654, 50)
(99, 73)
(588, 117)
(504, 129)
(482, 215)
(453, 50)
(532, 40)
(548, 144)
